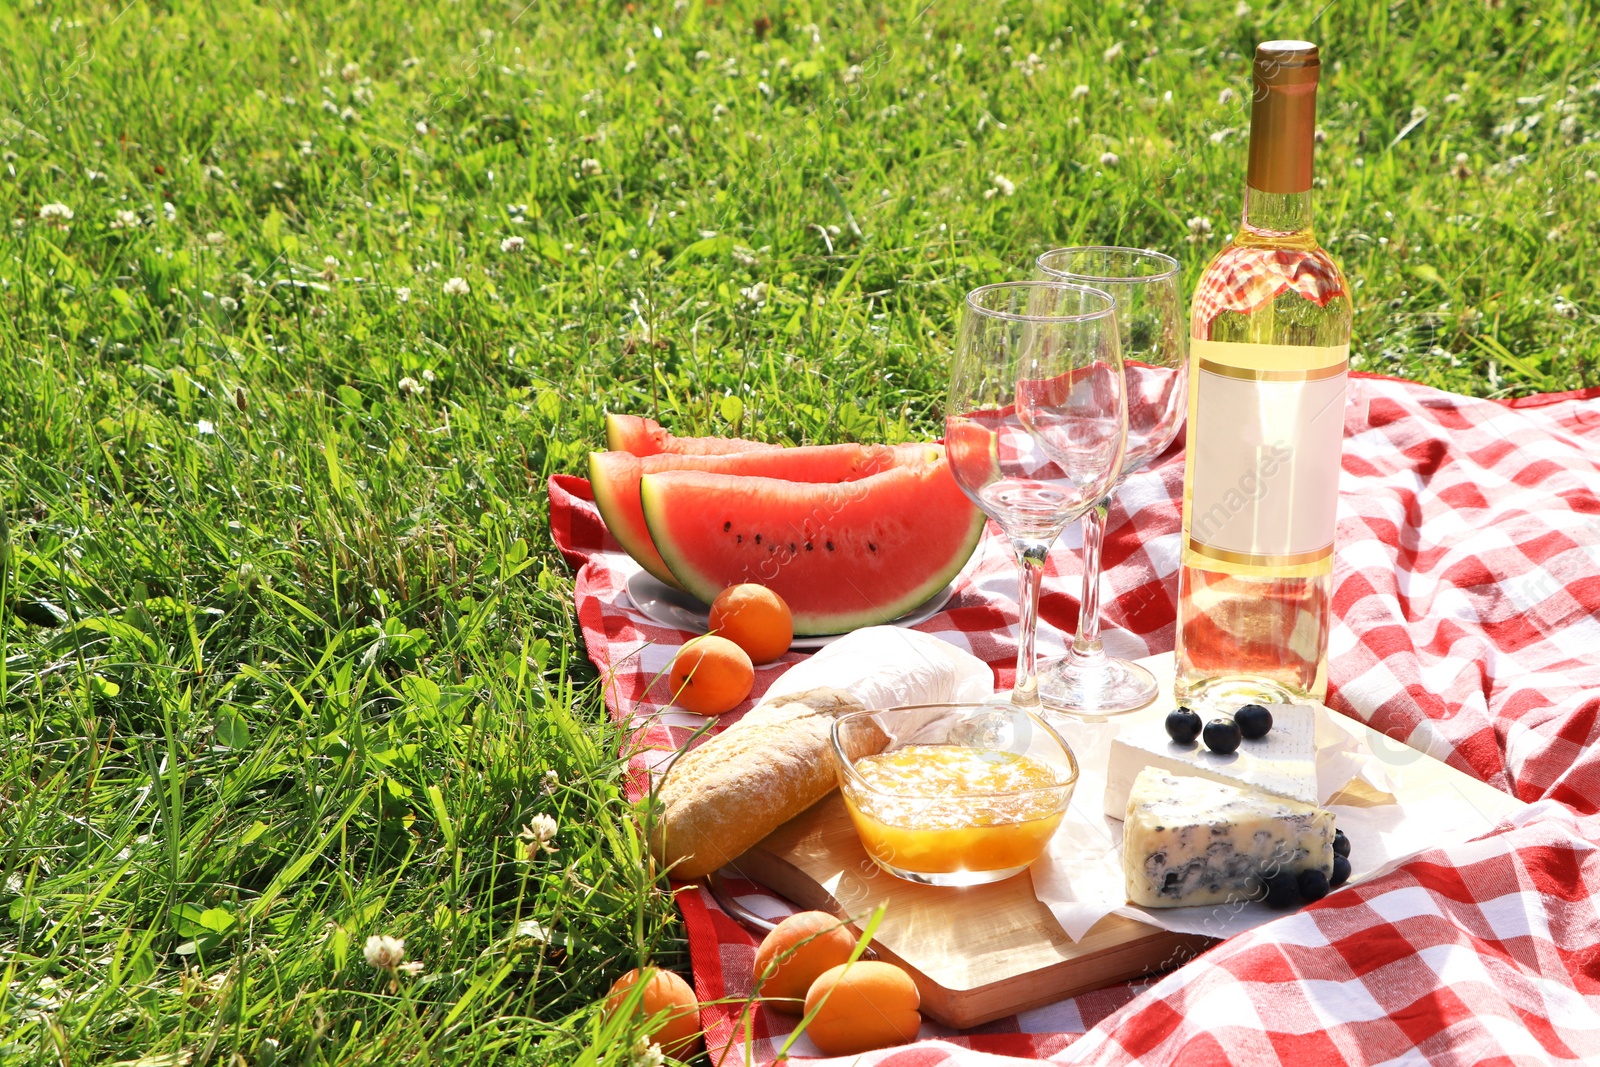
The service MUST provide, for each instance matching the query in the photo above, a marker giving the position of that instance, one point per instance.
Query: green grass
(286, 654)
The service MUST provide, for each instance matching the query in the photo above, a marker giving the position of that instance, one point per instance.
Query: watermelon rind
(646, 437)
(642, 549)
(824, 593)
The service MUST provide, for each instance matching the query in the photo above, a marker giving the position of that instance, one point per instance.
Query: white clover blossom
(409, 386)
(540, 831)
(384, 952)
(205, 428)
(646, 1053)
(170, 210)
(403, 294)
(589, 167)
(213, 237)
(1001, 32)
(428, 375)
(1227, 96)
(512, 244)
(549, 782)
(1000, 185)
(1113, 52)
(55, 213)
(457, 286)
(755, 294)
(1109, 159)
(125, 220)
(1079, 92)
(1199, 224)
(1241, 10)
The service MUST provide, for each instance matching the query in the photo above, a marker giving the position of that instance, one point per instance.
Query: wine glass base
(1098, 685)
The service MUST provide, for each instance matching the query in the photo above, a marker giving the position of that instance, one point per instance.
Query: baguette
(721, 798)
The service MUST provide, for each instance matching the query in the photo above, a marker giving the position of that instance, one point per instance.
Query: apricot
(869, 1005)
(667, 995)
(798, 950)
(754, 618)
(710, 675)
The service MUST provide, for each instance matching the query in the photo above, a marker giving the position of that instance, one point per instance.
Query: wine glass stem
(1030, 569)
(1087, 640)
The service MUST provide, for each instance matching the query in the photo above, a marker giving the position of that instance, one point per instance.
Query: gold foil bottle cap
(1280, 63)
(1283, 117)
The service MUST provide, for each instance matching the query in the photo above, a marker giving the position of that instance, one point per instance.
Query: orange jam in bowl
(959, 795)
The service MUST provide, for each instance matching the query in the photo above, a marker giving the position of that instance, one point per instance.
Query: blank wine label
(1269, 422)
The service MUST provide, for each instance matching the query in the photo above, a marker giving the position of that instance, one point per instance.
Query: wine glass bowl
(1150, 323)
(1035, 422)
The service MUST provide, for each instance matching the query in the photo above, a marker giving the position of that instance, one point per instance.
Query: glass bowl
(953, 794)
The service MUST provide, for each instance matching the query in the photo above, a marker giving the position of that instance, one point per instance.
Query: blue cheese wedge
(1189, 840)
(1283, 763)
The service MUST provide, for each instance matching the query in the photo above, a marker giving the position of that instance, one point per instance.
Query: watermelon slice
(842, 556)
(616, 475)
(647, 437)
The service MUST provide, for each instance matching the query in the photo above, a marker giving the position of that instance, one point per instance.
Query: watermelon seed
(829, 545)
(727, 526)
(738, 539)
(791, 548)
(808, 546)
(871, 547)
(758, 539)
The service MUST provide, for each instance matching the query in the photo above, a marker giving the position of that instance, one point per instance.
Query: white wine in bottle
(1269, 354)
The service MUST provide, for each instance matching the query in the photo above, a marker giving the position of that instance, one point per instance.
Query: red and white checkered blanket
(1467, 604)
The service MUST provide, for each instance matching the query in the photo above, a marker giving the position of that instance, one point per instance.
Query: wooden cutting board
(984, 952)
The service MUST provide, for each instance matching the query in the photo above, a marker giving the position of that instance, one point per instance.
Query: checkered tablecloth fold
(1467, 625)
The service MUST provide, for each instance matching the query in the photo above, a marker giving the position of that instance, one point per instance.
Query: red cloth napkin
(1467, 604)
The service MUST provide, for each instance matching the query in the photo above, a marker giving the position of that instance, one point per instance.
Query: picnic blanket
(1467, 605)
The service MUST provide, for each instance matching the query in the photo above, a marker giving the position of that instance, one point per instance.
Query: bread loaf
(719, 799)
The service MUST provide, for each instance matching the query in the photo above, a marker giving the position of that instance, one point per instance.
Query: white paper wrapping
(1080, 876)
(888, 666)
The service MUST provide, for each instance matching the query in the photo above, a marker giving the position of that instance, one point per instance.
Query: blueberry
(1254, 721)
(1283, 891)
(1341, 844)
(1222, 736)
(1341, 872)
(1313, 884)
(1183, 726)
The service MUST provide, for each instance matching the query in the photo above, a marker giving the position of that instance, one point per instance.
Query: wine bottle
(1269, 355)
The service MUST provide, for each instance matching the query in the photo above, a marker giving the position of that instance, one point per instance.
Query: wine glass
(1036, 365)
(1154, 348)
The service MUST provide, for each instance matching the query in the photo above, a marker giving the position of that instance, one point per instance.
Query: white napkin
(888, 666)
(1080, 879)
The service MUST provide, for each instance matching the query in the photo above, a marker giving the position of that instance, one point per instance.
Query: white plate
(663, 604)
